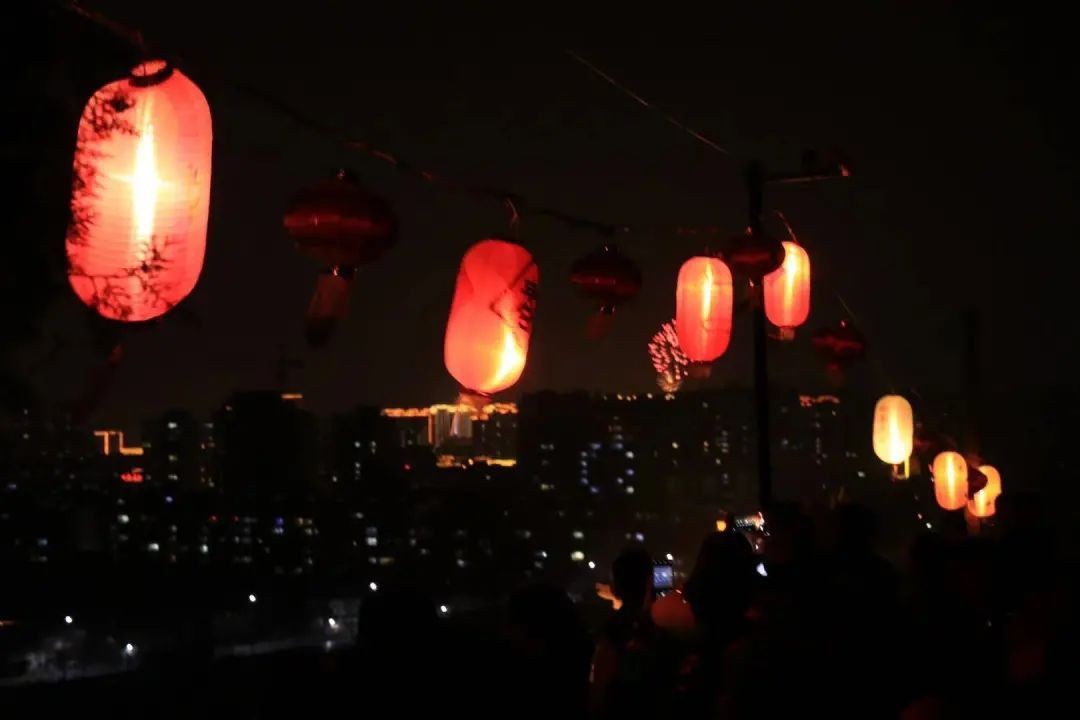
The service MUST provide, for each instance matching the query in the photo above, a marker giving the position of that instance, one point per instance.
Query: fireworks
(667, 358)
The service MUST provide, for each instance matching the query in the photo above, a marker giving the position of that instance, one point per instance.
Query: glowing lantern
(343, 226)
(950, 480)
(487, 335)
(839, 346)
(703, 309)
(894, 429)
(983, 503)
(609, 278)
(141, 195)
(787, 291)
(754, 256)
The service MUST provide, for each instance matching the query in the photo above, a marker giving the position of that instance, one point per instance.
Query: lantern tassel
(329, 304)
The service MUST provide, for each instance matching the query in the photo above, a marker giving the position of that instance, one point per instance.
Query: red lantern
(950, 473)
(839, 346)
(754, 256)
(487, 335)
(787, 291)
(703, 309)
(342, 225)
(607, 277)
(141, 195)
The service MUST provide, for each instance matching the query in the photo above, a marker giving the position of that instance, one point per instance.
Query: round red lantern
(703, 309)
(342, 225)
(141, 195)
(839, 346)
(608, 278)
(487, 334)
(787, 291)
(754, 256)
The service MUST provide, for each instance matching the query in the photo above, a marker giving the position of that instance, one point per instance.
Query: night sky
(955, 128)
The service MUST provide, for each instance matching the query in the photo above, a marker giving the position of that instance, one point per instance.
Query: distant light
(408, 467)
(68, 619)
(204, 548)
(670, 557)
(640, 537)
(629, 489)
(129, 649)
(761, 570)
(674, 446)
(168, 499)
(577, 556)
(929, 526)
(252, 598)
(373, 586)
(443, 609)
(332, 623)
(592, 565)
(721, 525)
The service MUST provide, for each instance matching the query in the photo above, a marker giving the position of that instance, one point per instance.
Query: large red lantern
(608, 278)
(487, 335)
(343, 226)
(703, 309)
(141, 195)
(787, 291)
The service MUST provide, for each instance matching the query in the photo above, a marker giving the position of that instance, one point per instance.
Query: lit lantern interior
(984, 503)
(487, 334)
(703, 308)
(950, 480)
(787, 289)
(894, 429)
(142, 194)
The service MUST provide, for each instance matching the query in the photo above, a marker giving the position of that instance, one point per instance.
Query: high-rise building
(267, 449)
(173, 457)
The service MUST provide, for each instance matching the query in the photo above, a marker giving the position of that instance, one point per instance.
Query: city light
(577, 556)
(761, 570)
(129, 650)
(373, 586)
(252, 598)
(332, 623)
(443, 609)
(68, 619)
(592, 565)
(670, 557)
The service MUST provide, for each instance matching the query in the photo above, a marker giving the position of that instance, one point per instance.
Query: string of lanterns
(137, 239)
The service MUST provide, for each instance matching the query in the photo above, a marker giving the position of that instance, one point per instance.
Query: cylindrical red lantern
(894, 429)
(950, 480)
(608, 278)
(787, 291)
(141, 195)
(704, 304)
(487, 335)
(984, 503)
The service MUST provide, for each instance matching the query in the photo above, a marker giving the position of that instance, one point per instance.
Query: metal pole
(754, 193)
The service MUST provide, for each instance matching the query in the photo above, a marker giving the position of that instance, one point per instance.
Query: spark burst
(668, 359)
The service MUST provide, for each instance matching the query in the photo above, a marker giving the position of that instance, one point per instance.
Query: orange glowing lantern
(703, 309)
(141, 194)
(787, 291)
(950, 480)
(894, 429)
(984, 503)
(487, 335)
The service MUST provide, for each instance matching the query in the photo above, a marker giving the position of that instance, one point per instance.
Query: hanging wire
(700, 137)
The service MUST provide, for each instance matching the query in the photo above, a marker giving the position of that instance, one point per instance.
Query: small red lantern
(608, 278)
(703, 310)
(754, 256)
(141, 195)
(487, 334)
(787, 291)
(342, 225)
(839, 346)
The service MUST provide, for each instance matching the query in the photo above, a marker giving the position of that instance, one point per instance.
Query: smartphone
(663, 578)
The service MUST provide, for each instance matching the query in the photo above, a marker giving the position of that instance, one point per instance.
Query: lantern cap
(150, 73)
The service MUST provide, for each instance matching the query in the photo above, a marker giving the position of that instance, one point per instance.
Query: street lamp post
(755, 181)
